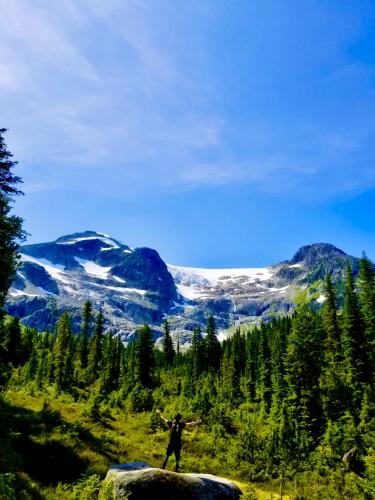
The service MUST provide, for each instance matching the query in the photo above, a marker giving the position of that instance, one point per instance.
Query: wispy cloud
(90, 85)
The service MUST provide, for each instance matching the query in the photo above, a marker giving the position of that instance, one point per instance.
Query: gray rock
(134, 286)
(140, 481)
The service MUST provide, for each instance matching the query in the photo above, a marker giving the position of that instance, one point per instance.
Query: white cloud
(90, 84)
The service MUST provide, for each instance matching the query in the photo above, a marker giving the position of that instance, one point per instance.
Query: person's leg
(177, 452)
(167, 455)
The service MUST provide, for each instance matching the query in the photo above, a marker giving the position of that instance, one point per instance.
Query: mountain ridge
(134, 286)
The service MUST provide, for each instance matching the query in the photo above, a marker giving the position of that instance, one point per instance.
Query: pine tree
(229, 383)
(353, 339)
(212, 346)
(144, 356)
(330, 322)
(197, 352)
(367, 302)
(252, 353)
(87, 318)
(277, 342)
(331, 381)
(96, 348)
(263, 384)
(61, 350)
(167, 344)
(12, 342)
(107, 376)
(11, 232)
(302, 366)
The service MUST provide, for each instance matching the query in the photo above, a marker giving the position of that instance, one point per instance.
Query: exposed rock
(38, 276)
(140, 481)
(312, 254)
(136, 286)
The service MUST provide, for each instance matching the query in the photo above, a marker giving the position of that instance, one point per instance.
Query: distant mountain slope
(136, 286)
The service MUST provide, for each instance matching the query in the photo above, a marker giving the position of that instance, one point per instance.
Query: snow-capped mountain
(134, 286)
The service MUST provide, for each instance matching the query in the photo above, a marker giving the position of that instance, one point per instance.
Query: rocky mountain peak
(134, 286)
(313, 254)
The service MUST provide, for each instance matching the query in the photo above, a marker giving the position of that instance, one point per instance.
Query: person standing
(175, 433)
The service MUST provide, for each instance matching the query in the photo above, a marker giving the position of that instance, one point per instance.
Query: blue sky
(220, 133)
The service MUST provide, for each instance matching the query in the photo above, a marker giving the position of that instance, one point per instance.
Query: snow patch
(119, 280)
(103, 238)
(189, 292)
(193, 282)
(94, 269)
(54, 270)
(296, 265)
(17, 293)
(212, 276)
(126, 290)
(279, 290)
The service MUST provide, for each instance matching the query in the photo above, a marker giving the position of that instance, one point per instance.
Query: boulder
(140, 481)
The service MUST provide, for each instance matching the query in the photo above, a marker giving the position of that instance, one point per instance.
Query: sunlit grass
(119, 437)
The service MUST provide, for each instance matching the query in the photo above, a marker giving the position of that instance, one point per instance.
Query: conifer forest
(288, 406)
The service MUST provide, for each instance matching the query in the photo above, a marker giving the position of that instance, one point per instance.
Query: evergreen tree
(277, 342)
(108, 376)
(331, 382)
(11, 232)
(96, 348)
(87, 317)
(252, 352)
(367, 302)
(263, 384)
(330, 322)
(12, 342)
(229, 382)
(62, 371)
(302, 366)
(167, 345)
(212, 346)
(197, 352)
(353, 340)
(144, 356)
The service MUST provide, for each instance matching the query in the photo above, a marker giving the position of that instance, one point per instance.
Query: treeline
(289, 395)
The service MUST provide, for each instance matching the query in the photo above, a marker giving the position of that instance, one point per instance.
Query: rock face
(136, 286)
(139, 481)
(132, 286)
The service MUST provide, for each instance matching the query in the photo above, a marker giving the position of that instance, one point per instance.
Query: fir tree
(167, 345)
(277, 370)
(144, 356)
(331, 382)
(263, 385)
(61, 349)
(330, 322)
(212, 346)
(302, 366)
(12, 341)
(252, 352)
(95, 348)
(197, 352)
(11, 232)
(87, 318)
(229, 382)
(367, 302)
(353, 340)
(108, 371)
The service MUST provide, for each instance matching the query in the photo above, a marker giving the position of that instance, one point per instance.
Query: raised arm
(195, 422)
(161, 416)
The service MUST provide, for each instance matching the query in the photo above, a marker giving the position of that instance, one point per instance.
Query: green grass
(51, 449)
(51, 443)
